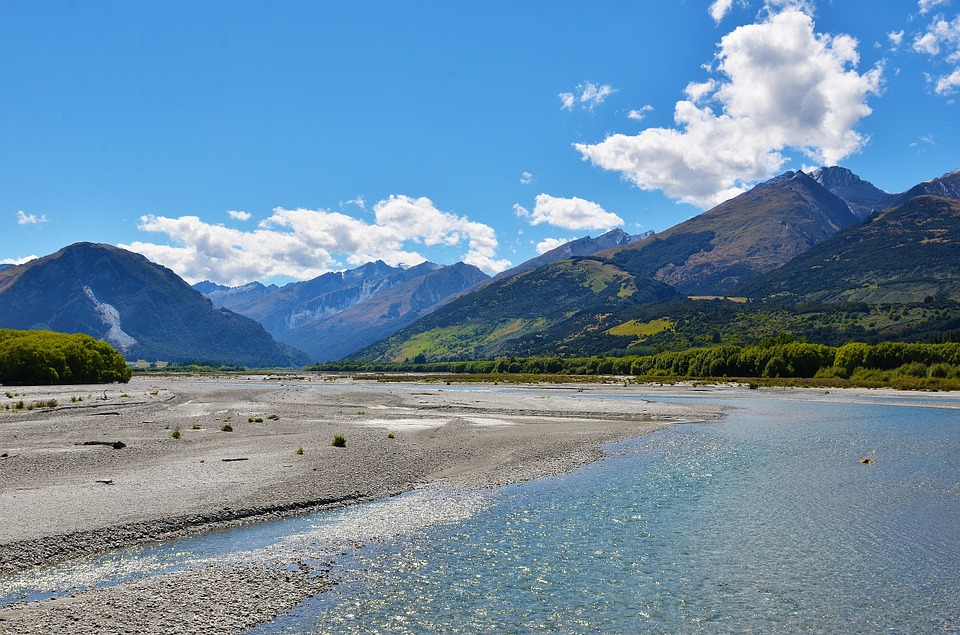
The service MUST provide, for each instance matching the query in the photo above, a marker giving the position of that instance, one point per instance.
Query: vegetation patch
(40, 358)
(641, 330)
(339, 441)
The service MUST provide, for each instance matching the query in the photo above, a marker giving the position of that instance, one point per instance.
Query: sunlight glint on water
(766, 522)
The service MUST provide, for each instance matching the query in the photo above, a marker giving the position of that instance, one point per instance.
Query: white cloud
(784, 86)
(719, 8)
(896, 38)
(303, 243)
(942, 38)
(569, 213)
(357, 202)
(526, 178)
(640, 113)
(948, 84)
(17, 261)
(547, 244)
(927, 43)
(30, 219)
(588, 94)
(244, 216)
(926, 6)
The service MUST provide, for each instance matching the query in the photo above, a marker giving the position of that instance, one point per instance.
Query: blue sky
(238, 141)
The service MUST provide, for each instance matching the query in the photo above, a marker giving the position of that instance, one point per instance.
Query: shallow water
(763, 522)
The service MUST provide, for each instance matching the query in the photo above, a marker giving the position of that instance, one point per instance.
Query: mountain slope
(739, 239)
(946, 186)
(861, 196)
(904, 254)
(517, 313)
(339, 312)
(580, 247)
(144, 310)
(382, 314)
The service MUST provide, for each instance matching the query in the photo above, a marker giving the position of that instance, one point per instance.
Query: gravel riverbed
(161, 466)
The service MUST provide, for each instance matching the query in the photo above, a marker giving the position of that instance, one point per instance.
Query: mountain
(337, 313)
(862, 197)
(382, 314)
(580, 247)
(537, 312)
(904, 254)
(739, 239)
(946, 186)
(144, 310)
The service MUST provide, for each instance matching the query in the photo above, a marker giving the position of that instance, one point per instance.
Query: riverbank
(177, 471)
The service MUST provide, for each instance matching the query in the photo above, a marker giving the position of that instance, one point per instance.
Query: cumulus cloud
(17, 261)
(244, 216)
(719, 8)
(304, 243)
(568, 213)
(526, 178)
(941, 39)
(588, 94)
(948, 84)
(547, 244)
(783, 86)
(639, 113)
(30, 219)
(896, 38)
(926, 6)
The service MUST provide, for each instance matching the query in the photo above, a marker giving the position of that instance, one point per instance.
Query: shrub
(195, 427)
(226, 428)
(339, 442)
(299, 451)
(176, 433)
(390, 435)
(255, 420)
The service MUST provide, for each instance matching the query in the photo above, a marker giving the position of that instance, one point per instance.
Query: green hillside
(740, 239)
(906, 254)
(548, 305)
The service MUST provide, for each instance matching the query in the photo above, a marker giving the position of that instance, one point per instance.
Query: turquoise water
(765, 522)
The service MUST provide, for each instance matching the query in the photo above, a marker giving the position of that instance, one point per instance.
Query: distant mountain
(532, 313)
(144, 310)
(580, 247)
(739, 239)
(382, 314)
(4, 266)
(337, 313)
(946, 186)
(904, 254)
(861, 196)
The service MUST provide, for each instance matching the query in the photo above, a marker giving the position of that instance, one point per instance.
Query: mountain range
(794, 239)
(822, 253)
(339, 312)
(141, 308)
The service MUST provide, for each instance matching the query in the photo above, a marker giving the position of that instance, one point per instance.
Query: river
(766, 521)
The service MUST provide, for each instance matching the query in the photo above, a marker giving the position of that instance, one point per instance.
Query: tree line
(778, 357)
(46, 357)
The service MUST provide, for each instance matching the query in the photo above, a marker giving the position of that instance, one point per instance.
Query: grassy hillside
(546, 305)
(736, 241)
(902, 255)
